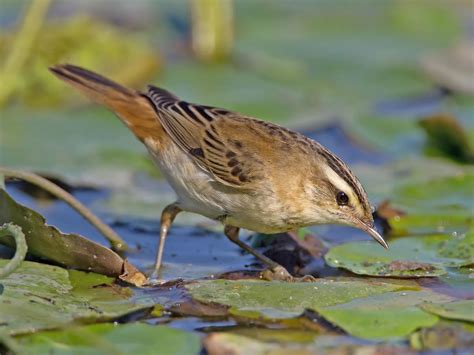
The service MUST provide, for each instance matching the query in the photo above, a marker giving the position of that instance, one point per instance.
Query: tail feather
(133, 108)
(91, 83)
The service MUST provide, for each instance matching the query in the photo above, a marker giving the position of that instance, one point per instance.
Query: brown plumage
(244, 172)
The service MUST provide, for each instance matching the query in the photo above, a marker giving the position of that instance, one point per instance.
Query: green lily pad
(108, 157)
(435, 205)
(408, 257)
(384, 316)
(438, 194)
(460, 310)
(282, 299)
(112, 339)
(38, 296)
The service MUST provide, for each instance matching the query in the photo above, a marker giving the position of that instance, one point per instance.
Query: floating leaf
(441, 204)
(71, 250)
(460, 310)
(408, 257)
(444, 335)
(229, 343)
(108, 157)
(284, 299)
(384, 316)
(113, 339)
(38, 296)
(436, 202)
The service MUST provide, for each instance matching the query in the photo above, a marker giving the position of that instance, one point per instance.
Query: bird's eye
(342, 199)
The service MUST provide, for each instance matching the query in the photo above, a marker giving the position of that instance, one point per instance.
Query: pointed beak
(373, 233)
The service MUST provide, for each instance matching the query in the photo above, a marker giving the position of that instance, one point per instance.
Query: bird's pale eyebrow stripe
(343, 171)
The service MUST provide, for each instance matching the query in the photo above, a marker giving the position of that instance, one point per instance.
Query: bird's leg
(167, 217)
(276, 270)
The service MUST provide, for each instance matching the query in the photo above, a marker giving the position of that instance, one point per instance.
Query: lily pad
(384, 316)
(435, 205)
(460, 310)
(112, 339)
(108, 158)
(444, 335)
(408, 257)
(38, 296)
(282, 299)
(70, 250)
(229, 343)
(437, 194)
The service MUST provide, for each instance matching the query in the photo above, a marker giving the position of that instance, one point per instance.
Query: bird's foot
(154, 279)
(154, 282)
(305, 278)
(278, 273)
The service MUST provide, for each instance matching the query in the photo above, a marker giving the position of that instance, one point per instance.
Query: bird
(244, 172)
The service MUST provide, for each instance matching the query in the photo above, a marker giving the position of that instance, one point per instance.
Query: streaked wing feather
(200, 132)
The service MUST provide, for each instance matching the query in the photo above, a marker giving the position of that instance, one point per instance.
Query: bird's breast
(197, 191)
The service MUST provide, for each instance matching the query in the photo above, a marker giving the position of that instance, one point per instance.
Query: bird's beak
(373, 233)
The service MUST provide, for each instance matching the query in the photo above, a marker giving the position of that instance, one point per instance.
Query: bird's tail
(129, 105)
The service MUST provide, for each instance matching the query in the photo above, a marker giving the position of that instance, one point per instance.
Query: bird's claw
(306, 278)
(279, 273)
(154, 280)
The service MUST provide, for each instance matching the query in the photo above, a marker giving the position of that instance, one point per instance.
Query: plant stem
(21, 248)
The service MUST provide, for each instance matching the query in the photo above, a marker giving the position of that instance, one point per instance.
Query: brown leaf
(132, 275)
(443, 336)
(386, 211)
(66, 249)
(398, 265)
(447, 136)
(310, 243)
(193, 308)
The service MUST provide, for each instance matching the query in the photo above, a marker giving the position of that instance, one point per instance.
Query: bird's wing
(215, 138)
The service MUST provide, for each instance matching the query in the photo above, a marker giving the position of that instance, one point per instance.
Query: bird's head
(338, 196)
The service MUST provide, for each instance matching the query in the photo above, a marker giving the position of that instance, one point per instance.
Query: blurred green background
(301, 63)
